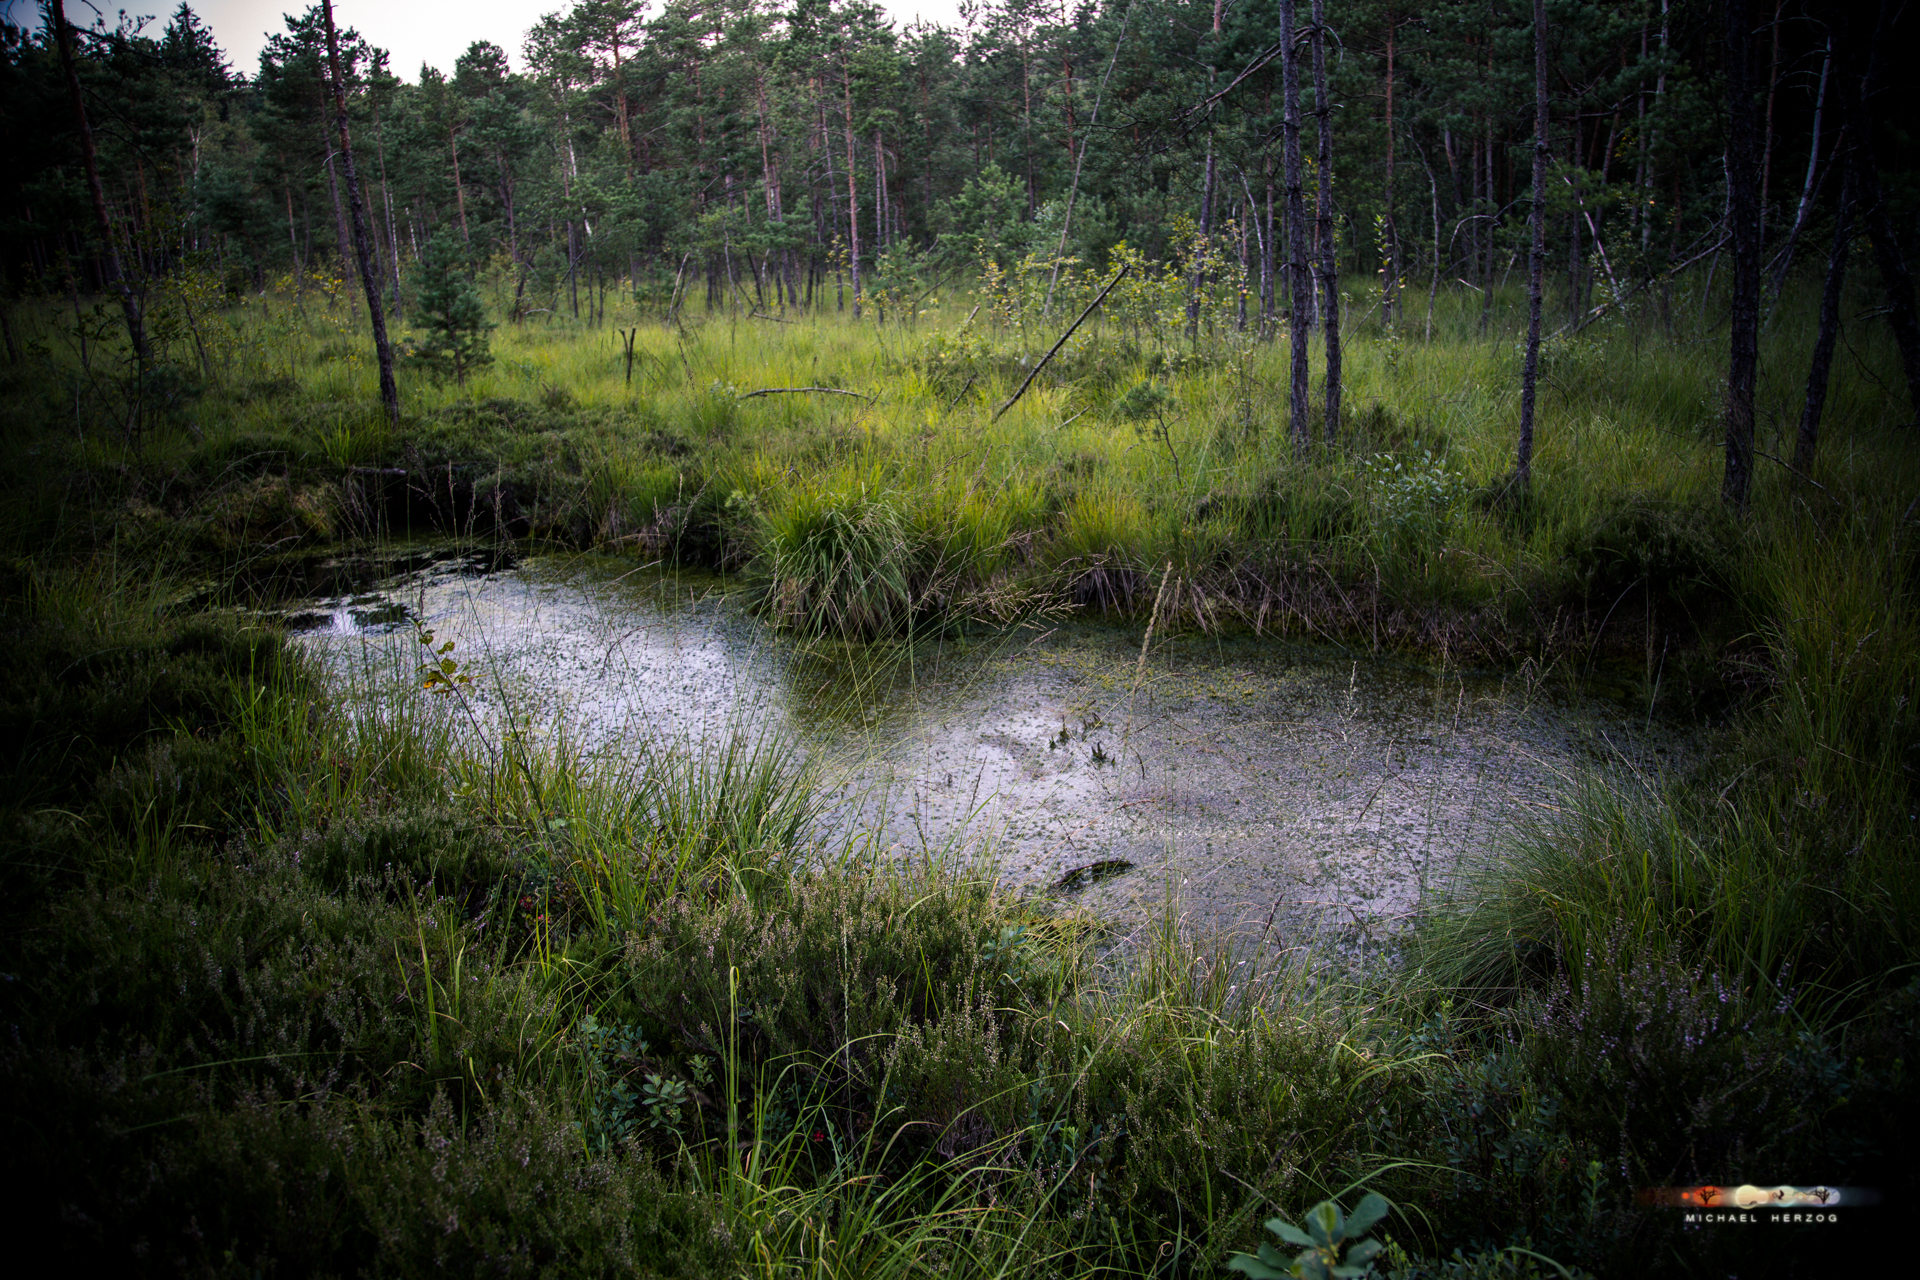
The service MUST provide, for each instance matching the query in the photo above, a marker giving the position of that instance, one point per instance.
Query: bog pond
(1297, 792)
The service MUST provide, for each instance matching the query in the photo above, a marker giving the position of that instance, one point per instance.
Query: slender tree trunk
(1300, 281)
(386, 198)
(621, 111)
(1026, 125)
(459, 188)
(343, 239)
(1873, 205)
(1641, 180)
(853, 192)
(879, 193)
(363, 249)
(1390, 293)
(130, 308)
(1743, 358)
(1653, 139)
(1537, 259)
(1206, 191)
(1821, 369)
(1433, 284)
(293, 236)
(1073, 188)
(1785, 262)
(1329, 263)
(1200, 249)
(1766, 132)
(1267, 311)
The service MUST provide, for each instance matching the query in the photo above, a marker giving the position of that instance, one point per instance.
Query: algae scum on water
(1291, 792)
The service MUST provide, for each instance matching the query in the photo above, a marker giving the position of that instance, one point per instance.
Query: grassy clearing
(307, 981)
(1137, 452)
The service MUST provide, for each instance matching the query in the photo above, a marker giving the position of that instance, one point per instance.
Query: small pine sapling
(450, 310)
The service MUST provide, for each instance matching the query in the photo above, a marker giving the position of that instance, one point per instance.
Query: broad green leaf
(1363, 1253)
(1368, 1212)
(1323, 1220)
(1248, 1265)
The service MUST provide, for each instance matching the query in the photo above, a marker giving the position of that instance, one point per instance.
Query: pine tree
(449, 309)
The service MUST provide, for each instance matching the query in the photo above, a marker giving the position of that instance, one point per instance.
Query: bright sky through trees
(412, 31)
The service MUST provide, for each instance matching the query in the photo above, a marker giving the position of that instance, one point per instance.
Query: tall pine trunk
(853, 193)
(130, 307)
(1821, 369)
(1743, 356)
(1299, 281)
(369, 266)
(1537, 259)
(1329, 264)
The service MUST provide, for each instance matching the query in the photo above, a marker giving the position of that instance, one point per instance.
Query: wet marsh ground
(484, 977)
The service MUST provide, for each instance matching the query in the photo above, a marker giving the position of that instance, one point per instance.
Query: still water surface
(1245, 784)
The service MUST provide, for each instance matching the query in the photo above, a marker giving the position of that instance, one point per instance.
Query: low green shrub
(1682, 557)
(457, 852)
(76, 705)
(809, 986)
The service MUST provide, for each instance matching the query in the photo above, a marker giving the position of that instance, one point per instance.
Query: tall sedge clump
(449, 309)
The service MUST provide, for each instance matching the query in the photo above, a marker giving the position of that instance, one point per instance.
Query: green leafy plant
(1327, 1229)
(441, 673)
(1151, 400)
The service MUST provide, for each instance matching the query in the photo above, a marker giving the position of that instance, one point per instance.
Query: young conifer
(450, 310)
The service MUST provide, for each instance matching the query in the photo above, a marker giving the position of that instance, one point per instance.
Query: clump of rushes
(841, 562)
(1095, 549)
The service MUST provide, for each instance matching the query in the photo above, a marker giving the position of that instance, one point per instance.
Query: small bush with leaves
(1319, 1258)
(1413, 494)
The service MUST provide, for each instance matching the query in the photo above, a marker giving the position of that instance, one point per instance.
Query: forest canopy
(770, 144)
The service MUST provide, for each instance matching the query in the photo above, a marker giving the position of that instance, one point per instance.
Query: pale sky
(411, 31)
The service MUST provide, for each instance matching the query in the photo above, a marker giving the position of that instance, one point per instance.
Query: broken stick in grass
(794, 391)
(1126, 267)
